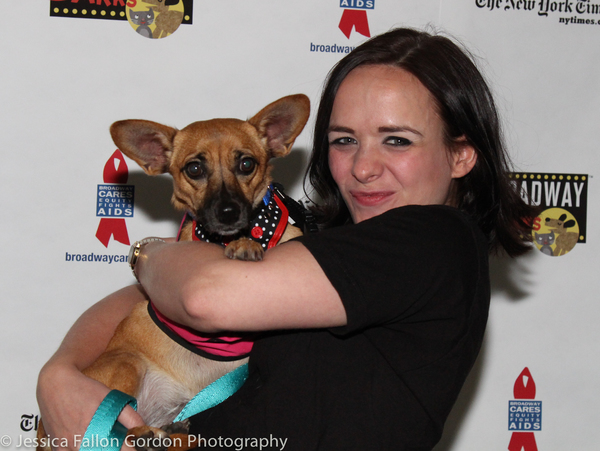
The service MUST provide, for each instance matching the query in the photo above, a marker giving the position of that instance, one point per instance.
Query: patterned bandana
(268, 223)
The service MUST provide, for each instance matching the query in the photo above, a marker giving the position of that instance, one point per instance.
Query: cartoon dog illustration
(565, 241)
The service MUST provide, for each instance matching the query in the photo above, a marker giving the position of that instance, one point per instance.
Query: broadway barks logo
(524, 414)
(153, 19)
(563, 200)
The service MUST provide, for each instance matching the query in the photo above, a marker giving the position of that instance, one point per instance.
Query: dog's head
(559, 225)
(220, 167)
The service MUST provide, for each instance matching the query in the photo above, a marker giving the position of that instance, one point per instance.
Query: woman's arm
(66, 397)
(193, 283)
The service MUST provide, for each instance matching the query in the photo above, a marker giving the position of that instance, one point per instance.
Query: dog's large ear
(148, 143)
(281, 122)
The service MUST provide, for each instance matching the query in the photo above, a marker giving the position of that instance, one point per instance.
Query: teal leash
(105, 433)
(215, 393)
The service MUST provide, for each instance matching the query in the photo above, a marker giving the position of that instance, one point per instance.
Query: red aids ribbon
(522, 441)
(524, 389)
(115, 171)
(524, 386)
(357, 19)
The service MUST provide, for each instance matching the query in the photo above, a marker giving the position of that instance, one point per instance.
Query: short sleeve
(392, 267)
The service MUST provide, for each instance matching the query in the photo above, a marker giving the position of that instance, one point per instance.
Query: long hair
(466, 108)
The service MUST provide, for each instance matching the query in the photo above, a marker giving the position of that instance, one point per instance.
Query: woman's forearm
(194, 284)
(67, 398)
(167, 271)
(90, 334)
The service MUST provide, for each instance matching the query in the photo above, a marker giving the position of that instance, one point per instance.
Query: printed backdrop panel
(540, 60)
(72, 204)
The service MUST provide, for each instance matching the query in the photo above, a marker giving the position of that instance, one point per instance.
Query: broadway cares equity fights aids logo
(114, 201)
(524, 414)
(153, 19)
(354, 17)
(567, 12)
(563, 200)
(114, 204)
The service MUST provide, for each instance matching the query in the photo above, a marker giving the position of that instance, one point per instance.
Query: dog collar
(222, 347)
(268, 223)
(267, 226)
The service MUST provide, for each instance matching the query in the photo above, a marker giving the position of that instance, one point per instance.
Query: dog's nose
(229, 213)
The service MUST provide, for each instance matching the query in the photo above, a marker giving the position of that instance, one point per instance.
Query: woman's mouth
(368, 199)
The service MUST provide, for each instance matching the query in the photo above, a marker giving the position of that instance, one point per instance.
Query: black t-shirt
(415, 285)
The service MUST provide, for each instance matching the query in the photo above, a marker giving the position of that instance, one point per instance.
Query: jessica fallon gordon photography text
(94, 441)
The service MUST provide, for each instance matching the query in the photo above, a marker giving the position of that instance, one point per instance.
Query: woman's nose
(367, 164)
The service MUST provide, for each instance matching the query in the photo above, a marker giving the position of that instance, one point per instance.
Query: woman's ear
(464, 157)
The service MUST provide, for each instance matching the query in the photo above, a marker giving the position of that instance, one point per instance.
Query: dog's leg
(120, 370)
(125, 371)
(290, 232)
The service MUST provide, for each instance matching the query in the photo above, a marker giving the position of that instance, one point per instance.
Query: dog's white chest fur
(161, 397)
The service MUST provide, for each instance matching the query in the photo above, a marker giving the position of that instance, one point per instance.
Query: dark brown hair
(467, 109)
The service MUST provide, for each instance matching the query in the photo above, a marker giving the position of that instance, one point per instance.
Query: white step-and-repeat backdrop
(71, 204)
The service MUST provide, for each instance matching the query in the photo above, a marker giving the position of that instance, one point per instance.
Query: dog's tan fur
(141, 360)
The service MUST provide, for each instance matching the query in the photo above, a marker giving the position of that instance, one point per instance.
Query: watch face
(133, 254)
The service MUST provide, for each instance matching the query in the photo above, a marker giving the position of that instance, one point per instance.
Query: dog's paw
(172, 437)
(146, 438)
(179, 427)
(244, 249)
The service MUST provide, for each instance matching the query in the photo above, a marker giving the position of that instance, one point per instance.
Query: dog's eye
(194, 170)
(247, 165)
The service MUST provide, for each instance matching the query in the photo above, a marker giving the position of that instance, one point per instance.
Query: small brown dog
(221, 173)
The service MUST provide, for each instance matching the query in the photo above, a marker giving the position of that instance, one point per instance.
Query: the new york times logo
(543, 7)
(29, 422)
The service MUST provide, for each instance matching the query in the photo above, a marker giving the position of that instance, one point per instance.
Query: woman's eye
(194, 170)
(398, 141)
(344, 141)
(247, 165)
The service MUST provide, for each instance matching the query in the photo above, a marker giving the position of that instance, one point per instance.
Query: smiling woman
(457, 93)
(367, 329)
(387, 146)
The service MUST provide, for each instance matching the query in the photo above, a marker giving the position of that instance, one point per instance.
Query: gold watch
(136, 250)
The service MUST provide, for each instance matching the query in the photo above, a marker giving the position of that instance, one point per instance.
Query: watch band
(136, 250)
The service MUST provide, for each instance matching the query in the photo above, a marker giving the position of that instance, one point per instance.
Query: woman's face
(386, 144)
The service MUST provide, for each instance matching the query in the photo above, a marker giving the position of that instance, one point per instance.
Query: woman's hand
(68, 401)
(67, 398)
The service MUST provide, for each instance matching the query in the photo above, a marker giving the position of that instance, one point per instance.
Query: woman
(371, 325)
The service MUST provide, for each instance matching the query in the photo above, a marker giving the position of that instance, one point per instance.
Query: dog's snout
(228, 213)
